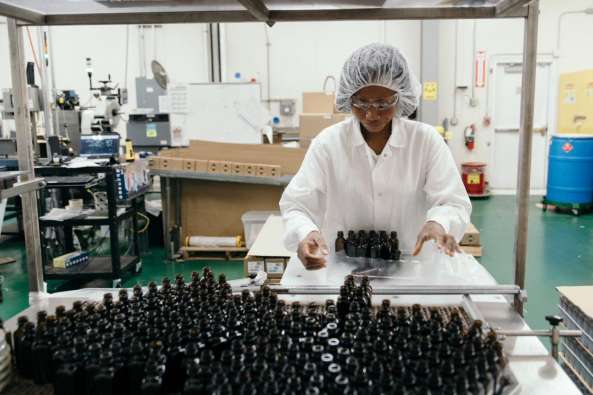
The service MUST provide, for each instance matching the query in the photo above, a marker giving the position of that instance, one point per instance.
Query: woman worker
(377, 170)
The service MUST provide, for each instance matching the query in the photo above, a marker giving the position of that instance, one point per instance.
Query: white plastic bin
(253, 221)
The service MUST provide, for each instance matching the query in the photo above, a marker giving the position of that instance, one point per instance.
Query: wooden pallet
(213, 253)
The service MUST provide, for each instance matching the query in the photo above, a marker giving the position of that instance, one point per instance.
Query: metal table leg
(165, 199)
(25, 156)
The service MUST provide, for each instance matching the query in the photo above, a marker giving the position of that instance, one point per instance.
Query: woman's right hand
(312, 251)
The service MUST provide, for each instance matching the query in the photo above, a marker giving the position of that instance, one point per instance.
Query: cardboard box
(171, 164)
(472, 250)
(220, 205)
(226, 167)
(310, 125)
(319, 102)
(154, 162)
(575, 103)
(201, 166)
(580, 296)
(220, 167)
(305, 143)
(213, 166)
(275, 267)
(471, 236)
(267, 171)
(275, 171)
(189, 164)
(250, 169)
(267, 252)
(214, 208)
(238, 169)
(289, 159)
(252, 266)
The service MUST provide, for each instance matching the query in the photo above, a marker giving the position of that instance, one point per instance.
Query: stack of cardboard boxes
(319, 112)
(214, 208)
(215, 167)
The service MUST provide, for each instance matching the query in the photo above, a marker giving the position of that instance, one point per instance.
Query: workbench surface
(536, 371)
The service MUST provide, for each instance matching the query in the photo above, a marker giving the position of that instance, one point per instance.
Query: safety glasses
(381, 105)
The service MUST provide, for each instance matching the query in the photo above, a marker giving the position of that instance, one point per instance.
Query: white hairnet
(382, 65)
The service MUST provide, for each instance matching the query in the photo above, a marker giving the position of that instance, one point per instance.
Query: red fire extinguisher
(469, 135)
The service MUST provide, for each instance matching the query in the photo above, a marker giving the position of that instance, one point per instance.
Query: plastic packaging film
(211, 241)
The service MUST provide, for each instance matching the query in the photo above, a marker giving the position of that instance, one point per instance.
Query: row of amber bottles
(371, 245)
(200, 338)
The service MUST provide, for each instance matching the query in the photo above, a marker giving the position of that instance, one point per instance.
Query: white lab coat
(337, 187)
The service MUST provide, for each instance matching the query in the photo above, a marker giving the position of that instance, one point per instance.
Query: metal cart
(120, 211)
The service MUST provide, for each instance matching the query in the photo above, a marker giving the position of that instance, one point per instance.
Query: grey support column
(429, 70)
(25, 155)
(525, 137)
(215, 69)
(45, 86)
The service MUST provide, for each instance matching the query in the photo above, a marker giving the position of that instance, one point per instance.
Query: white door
(506, 120)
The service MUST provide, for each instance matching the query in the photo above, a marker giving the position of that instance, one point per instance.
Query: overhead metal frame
(126, 12)
(21, 13)
(258, 10)
(87, 12)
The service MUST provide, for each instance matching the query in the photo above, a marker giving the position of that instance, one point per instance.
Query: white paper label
(178, 99)
(255, 266)
(275, 267)
(164, 104)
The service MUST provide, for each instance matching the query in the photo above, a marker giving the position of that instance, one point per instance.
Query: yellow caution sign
(473, 178)
(430, 91)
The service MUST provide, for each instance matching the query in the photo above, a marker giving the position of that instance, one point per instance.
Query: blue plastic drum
(570, 170)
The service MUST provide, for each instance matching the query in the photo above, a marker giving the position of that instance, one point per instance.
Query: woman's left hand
(434, 231)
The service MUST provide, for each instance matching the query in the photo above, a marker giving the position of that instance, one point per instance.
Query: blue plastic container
(570, 170)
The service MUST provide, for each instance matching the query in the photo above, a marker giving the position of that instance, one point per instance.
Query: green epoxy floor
(560, 253)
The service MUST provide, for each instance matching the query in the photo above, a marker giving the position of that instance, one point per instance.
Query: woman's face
(375, 118)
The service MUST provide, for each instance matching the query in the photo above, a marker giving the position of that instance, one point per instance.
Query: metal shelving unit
(103, 267)
(171, 190)
(18, 187)
(88, 12)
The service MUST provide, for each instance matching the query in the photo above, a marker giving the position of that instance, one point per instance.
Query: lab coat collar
(397, 138)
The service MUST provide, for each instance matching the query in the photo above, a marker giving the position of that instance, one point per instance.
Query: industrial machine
(104, 115)
(67, 118)
(149, 126)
